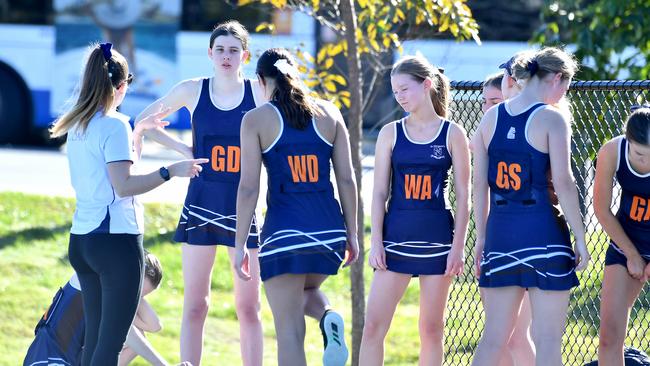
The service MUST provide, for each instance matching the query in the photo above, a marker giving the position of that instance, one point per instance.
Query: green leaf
(345, 101)
(265, 25)
(339, 79)
(322, 54)
(329, 86)
(335, 50)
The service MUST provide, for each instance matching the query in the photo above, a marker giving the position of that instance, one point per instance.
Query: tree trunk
(355, 84)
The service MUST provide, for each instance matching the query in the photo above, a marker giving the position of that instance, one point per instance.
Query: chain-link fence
(599, 110)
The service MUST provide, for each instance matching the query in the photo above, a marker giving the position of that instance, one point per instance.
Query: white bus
(38, 71)
(40, 56)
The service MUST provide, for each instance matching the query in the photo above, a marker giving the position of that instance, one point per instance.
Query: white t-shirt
(99, 209)
(74, 282)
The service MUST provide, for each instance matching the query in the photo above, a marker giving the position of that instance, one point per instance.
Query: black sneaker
(336, 352)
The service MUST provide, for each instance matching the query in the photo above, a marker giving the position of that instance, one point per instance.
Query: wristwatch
(164, 173)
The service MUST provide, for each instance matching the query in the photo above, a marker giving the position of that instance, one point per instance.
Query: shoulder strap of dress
(248, 89)
(446, 126)
(535, 108)
(399, 129)
(621, 159)
(277, 138)
(205, 89)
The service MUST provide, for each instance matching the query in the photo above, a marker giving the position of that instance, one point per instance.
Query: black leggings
(110, 270)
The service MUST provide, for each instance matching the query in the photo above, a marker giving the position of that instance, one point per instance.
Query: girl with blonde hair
(414, 233)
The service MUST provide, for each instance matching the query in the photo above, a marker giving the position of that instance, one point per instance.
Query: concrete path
(45, 171)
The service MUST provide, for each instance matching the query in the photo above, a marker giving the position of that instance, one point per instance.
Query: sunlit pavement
(45, 171)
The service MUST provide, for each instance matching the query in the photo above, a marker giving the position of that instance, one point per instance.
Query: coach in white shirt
(106, 236)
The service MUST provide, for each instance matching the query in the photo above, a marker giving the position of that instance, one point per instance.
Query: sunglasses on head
(508, 65)
(129, 79)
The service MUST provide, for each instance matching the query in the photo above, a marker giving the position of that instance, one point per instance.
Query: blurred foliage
(610, 36)
(379, 25)
(203, 15)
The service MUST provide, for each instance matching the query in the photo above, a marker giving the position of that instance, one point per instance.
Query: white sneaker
(336, 352)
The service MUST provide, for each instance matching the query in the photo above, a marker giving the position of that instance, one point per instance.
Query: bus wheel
(15, 110)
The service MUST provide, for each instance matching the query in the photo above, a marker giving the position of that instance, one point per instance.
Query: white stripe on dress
(213, 221)
(419, 245)
(291, 233)
(530, 258)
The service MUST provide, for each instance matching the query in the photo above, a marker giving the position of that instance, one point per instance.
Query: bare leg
(315, 301)
(198, 261)
(331, 324)
(126, 356)
(506, 357)
(501, 306)
(434, 292)
(549, 310)
(247, 305)
(619, 292)
(285, 295)
(385, 293)
(520, 346)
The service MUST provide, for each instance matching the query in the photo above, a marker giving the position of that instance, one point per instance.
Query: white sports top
(99, 209)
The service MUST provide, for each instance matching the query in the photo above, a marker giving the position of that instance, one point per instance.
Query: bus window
(26, 11)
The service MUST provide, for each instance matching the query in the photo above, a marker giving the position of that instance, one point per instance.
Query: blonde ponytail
(97, 90)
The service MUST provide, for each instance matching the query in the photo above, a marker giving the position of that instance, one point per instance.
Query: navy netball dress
(209, 212)
(527, 240)
(634, 208)
(303, 231)
(418, 226)
(60, 332)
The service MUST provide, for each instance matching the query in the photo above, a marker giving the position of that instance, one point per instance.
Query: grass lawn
(34, 263)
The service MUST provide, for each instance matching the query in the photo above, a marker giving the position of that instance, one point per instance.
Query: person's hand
(636, 266)
(478, 256)
(646, 273)
(153, 121)
(377, 256)
(582, 255)
(351, 250)
(455, 261)
(187, 168)
(241, 263)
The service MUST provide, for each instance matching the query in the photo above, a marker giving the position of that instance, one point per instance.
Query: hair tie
(635, 107)
(106, 50)
(286, 68)
(532, 67)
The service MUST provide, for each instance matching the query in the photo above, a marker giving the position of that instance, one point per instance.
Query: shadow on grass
(33, 233)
